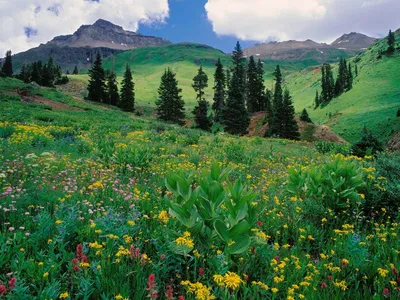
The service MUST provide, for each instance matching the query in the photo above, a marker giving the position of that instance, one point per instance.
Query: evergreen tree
(219, 91)
(36, 75)
(290, 128)
(391, 40)
(127, 99)
(328, 84)
(305, 117)
(252, 86)
(349, 78)
(49, 73)
(7, 68)
(317, 100)
(200, 112)
(228, 79)
(235, 115)
(261, 103)
(276, 119)
(112, 90)
(97, 86)
(342, 78)
(170, 106)
(24, 74)
(76, 71)
(268, 103)
(356, 70)
(200, 82)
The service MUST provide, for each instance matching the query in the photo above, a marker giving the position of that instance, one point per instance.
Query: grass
(373, 101)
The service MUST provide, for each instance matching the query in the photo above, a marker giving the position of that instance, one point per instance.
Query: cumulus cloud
(27, 23)
(322, 20)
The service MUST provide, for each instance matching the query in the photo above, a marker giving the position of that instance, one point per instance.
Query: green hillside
(149, 63)
(373, 101)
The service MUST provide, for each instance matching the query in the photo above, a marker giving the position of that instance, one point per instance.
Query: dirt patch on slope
(308, 131)
(394, 143)
(35, 99)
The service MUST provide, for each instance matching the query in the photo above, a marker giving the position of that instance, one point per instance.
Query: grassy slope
(149, 63)
(373, 101)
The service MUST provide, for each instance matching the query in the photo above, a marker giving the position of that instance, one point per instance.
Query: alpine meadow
(153, 165)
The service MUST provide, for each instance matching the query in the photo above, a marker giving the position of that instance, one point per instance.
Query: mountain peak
(354, 40)
(105, 34)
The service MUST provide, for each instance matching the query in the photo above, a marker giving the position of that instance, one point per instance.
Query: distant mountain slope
(346, 46)
(373, 101)
(104, 34)
(80, 47)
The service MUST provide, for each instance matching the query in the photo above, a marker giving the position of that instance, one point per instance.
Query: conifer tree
(356, 70)
(127, 99)
(391, 40)
(36, 75)
(219, 91)
(49, 73)
(268, 103)
(7, 68)
(76, 71)
(235, 115)
(24, 74)
(328, 84)
(112, 90)
(305, 116)
(200, 82)
(228, 79)
(170, 106)
(290, 128)
(252, 86)
(349, 78)
(317, 101)
(97, 86)
(276, 119)
(261, 103)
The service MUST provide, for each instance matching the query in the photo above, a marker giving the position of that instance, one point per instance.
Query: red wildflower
(201, 272)
(75, 268)
(12, 282)
(330, 277)
(386, 292)
(79, 252)
(170, 293)
(259, 223)
(323, 285)
(3, 289)
(394, 271)
(162, 257)
(181, 298)
(151, 287)
(276, 258)
(75, 261)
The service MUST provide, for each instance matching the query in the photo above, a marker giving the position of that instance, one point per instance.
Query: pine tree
(356, 70)
(36, 75)
(200, 82)
(341, 81)
(112, 89)
(328, 84)
(305, 116)
(261, 102)
(349, 78)
(97, 86)
(170, 106)
(49, 73)
(268, 103)
(219, 91)
(317, 100)
(252, 86)
(200, 112)
(76, 71)
(24, 74)
(228, 79)
(127, 99)
(235, 115)
(276, 119)
(7, 68)
(391, 40)
(290, 128)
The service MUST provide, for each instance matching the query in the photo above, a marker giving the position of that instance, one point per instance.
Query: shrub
(333, 148)
(368, 145)
(6, 132)
(334, 186)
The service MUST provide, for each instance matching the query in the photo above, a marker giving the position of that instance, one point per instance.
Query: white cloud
(322, 20)
(57, 17)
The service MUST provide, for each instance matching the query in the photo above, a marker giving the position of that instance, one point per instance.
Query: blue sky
(188, 22)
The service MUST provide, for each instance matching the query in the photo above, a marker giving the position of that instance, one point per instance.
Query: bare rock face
(354, 40)
(107, 35)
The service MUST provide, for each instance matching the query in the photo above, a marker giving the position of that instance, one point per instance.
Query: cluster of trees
(391, 39)
(103, 87)
(240, 91)
(330, 87)
(48, 74)
(6, 69)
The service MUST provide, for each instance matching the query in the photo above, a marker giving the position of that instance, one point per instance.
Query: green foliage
(214, 212)
(219, 91)
(368, 144)
(112, 90)
(391, 41)
(333, 148)
(305, 117)
(201, 116)
(335, 186)
(7, 67)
